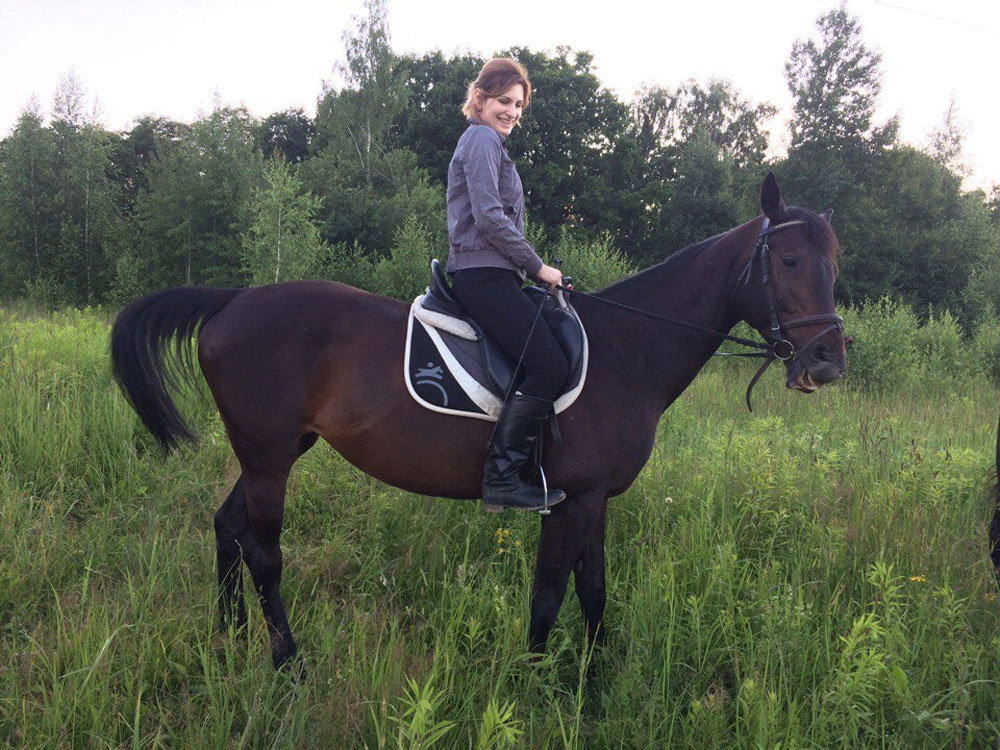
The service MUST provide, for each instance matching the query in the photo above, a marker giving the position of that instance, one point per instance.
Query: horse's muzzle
(815, 367)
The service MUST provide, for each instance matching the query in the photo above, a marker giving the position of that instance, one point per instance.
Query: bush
(593, 264)
(348, 265)
(941, 348)
(405, 273)
(985, 355)
(884, 353)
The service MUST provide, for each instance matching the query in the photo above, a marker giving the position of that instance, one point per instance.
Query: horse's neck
(694, 286)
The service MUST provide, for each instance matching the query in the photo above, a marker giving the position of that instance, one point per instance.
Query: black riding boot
(511, 447)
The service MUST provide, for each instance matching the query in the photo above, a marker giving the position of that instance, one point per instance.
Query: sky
(176, 59)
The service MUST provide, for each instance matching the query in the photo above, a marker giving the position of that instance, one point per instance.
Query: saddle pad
(443, 369)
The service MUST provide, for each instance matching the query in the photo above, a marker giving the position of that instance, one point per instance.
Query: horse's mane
(691, 251)
(817, 225)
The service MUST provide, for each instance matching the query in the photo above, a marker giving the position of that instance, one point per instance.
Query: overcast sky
(139, 57)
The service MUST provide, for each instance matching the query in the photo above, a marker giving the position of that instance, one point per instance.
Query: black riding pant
(494, 299)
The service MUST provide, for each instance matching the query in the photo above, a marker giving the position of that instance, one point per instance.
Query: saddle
(451, 366)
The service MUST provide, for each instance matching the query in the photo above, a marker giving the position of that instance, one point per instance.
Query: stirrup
(546, 510)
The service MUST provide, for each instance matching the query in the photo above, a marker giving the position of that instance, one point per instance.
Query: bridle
(775, 346)
(780, 347)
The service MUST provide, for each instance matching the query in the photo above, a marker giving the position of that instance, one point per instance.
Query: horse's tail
(140, 339)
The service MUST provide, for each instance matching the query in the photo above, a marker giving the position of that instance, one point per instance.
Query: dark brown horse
(288, 363)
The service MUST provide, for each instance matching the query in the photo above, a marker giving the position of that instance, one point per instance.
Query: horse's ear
(770, 199)
(827, 214)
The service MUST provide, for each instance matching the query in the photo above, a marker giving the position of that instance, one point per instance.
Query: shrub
(404, 274)
(985, 354)
(347, 264)
(884, 353)
(940, 346)
(593, 264)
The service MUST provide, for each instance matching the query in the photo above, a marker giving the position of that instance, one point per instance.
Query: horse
(292, 362)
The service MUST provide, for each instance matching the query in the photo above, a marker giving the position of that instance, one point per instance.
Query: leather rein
(776, 346)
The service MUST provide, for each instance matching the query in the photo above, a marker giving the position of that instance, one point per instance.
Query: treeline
(357, 193)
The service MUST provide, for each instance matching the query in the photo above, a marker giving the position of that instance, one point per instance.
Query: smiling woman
(489, 258)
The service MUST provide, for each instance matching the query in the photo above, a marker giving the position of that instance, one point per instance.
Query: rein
(776, 347)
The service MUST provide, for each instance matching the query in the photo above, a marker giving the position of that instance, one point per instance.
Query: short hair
(496, 76)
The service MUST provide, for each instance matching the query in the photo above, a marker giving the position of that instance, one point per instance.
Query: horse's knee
(265, 564)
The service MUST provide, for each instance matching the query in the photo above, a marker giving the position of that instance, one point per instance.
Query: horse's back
(296, 315)
(283, 346)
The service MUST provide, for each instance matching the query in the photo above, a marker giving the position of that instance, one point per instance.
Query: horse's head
(785, 291)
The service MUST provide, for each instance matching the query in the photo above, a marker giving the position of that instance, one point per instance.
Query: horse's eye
(790, 262)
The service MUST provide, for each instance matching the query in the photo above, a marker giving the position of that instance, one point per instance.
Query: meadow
(810, 575)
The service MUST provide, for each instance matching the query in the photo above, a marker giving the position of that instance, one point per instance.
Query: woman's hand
(550, 276)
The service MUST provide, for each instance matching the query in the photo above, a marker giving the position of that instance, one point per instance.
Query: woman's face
(502, 112)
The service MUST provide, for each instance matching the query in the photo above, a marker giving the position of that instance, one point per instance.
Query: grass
(813, 574)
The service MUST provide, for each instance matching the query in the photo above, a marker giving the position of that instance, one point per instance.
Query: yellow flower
(920, 579)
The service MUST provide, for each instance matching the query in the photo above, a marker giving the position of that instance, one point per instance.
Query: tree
(357, 118)
(946, 142)
(288, 134)
(282, 242)
(367, 185)
(698, 143)
(86, 198)
(197, 206)
(835, 84)
(29, 231)
(665, 118)
(432, 123)
(572, 123)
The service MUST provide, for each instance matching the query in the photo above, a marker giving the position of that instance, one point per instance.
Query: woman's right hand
(551, 276)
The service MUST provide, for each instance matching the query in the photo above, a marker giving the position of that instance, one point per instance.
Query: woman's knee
(546, 374)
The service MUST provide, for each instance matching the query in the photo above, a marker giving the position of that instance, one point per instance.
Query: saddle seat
(565, 326)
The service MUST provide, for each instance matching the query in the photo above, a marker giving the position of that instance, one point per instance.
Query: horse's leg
(231, 529)
(562, 539)
(265, 504)
(589, 579)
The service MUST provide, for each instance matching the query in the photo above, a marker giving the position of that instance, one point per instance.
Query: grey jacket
(486, 206)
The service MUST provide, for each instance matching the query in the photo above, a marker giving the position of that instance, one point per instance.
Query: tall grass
(813, 574)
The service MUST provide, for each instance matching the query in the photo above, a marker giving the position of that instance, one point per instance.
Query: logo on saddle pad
(474, 375)
(431, 376)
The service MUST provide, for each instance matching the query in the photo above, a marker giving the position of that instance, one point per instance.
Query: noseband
(780, 346)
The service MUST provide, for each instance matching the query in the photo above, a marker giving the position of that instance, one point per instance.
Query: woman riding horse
(290, 363)
(489, 258)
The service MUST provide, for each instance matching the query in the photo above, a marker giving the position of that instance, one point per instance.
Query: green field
(812, 575)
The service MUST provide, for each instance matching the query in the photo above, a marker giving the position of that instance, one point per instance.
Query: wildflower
(990, 597)
(503, 537)
(919, 579)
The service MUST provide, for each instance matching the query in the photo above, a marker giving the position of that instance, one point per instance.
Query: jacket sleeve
(482, 174)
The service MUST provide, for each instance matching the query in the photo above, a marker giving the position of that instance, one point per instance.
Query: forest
(90, 216)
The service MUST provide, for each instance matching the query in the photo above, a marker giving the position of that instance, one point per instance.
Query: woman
(489, 259)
